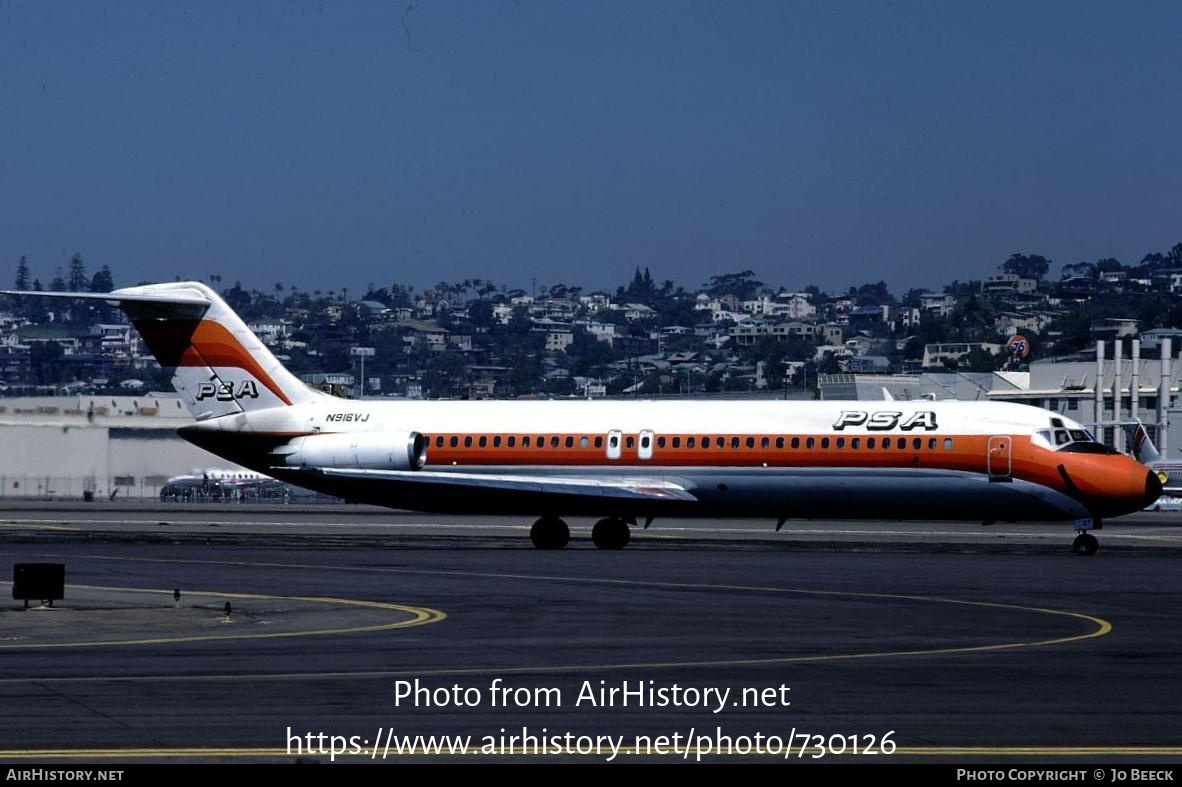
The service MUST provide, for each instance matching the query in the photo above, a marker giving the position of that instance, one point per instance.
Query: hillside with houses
(735, 333)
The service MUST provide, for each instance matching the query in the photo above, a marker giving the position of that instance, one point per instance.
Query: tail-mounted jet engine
(374, 451)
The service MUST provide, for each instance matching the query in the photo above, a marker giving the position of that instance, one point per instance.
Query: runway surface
(952, 642)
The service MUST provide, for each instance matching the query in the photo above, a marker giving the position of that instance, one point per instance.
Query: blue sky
(829, 143)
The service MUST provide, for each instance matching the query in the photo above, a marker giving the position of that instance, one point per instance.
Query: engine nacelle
(369, 450)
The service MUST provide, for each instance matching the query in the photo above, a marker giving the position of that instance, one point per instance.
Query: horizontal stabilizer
(117, 298)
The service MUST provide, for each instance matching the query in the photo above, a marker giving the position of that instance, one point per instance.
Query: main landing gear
(1085, 543)
(611, 533)
(550, 532)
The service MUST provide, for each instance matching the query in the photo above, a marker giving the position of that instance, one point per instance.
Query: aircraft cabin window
(614, 441)
(779, 442)
(734, 442)
(677, 442)
(812, 441)
(584, 441)
(902, 444)
(751, 442)
(689, 442)
(497, 441)
(765, 443)
(720, 442)
(824, 442)
(855, 442)
(660, 442)
(455, 441)
(931, 444)
(630, 441)
(796, 442)
(645, 442)
(512, 440)
(705, 442)
(570, 441)
(554, 441)
(483, 441)
(525, 442)
(869, 442)
(439, 441)
(947, 443)
(467, 441)
(599, 441)
(917, 443)
(840, 442)
(886, 442)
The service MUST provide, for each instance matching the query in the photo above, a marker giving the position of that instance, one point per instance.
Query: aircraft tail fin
(1144, 451)
(218, 366)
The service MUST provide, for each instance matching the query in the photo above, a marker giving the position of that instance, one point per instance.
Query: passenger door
(614, 438)
(999, 460)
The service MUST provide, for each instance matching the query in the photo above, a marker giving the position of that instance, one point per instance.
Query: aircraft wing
(614, 487)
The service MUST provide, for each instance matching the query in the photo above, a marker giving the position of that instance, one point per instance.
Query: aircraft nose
(1152, 487)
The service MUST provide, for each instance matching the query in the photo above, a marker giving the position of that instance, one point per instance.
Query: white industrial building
(67, 446)
(1129, 387)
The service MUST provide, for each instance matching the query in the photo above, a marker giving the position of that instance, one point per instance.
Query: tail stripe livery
(204, 344)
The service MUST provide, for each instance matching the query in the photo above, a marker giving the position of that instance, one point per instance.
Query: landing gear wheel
(549, 532)
(611, 533)
(1085, 544)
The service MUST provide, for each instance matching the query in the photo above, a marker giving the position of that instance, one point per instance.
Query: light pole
(362, 353)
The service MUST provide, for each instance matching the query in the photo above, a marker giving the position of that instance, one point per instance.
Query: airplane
(222, 484)
(627, 462)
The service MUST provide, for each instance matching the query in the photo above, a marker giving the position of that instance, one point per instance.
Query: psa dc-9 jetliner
(628, 461)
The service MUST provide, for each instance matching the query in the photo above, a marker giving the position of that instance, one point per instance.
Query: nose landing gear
(1085, 544)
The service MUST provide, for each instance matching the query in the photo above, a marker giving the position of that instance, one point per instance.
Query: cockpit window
(1076, 440)
(1088, 448)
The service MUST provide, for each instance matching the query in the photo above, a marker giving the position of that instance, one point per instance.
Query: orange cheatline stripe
(967, 452)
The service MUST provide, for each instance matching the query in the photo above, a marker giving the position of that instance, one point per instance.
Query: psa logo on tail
(224, 392)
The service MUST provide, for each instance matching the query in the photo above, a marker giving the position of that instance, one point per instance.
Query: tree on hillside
(640, 290)
(77, 280)
(875, 294)
(102, 281)
(22, 274)
(1174, 258)
(743, 285)
(1079, 270)
(1028, 266)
